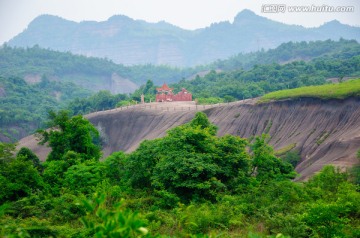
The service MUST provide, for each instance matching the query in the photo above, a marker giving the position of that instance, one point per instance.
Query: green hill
(88, 72)
(24, 106)
(328, 91)
(292, 51)
(262, 79)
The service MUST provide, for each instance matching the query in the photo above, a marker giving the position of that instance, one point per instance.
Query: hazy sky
(15, 15)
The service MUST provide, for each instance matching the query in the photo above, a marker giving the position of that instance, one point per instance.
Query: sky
(15, 15)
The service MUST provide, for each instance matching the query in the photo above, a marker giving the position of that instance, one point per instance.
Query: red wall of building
(181, 96)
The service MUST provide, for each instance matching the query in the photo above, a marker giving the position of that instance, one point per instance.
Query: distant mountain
(290, 52)
(32, 64)
(130, 42)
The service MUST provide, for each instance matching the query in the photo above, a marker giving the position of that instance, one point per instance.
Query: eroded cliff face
(324, 132)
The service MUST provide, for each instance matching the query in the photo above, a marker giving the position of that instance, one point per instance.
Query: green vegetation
(292, 157)
(355, 171)
(292, 51)
(88, 72)
(329, 91)
(24, 106)
(262, 79)
(322, 137)
(189, 183)
(102, 100)
(67, 134)
(285, 149)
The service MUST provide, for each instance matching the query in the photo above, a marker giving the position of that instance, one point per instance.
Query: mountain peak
(247, 17)
(245, 14)
(47, 18)
(333, 23)
(120, 18)
(46, 21)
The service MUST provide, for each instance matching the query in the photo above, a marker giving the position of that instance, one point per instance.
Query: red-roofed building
(165, 94)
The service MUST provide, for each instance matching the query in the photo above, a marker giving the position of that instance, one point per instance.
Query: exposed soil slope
(325, 132)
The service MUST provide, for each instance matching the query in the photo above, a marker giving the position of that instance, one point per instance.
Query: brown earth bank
(324, 132)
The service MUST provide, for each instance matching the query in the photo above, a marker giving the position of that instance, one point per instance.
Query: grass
(322, 137)
(328, 91)
(285, 149)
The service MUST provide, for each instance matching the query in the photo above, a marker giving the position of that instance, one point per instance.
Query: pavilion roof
(164, 88)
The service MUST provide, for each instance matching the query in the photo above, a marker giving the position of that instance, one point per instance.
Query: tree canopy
(70, 134)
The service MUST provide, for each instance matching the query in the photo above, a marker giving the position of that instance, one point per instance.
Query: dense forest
(24, 106)
(76, 68)
(261, 79)
(291, 51)
(189, 183)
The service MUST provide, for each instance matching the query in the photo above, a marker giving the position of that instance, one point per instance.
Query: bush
(112, 223)
(84, 177)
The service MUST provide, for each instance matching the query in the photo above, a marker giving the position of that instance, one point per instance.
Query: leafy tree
(19, 178)
(328, 180)
(231, 156)
(186, 166)
(292, 157)
(27, 154)
(265, 165)
(201, 121)
(70, 134)
(6, 152)
(190, 162)
(355, 171)
(102, 100)
(325, 219)
(140, 164)
(54, 170)
(115, 164)
(84, 177)
(149, 87)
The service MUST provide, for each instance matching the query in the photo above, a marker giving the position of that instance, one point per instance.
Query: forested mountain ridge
(24, 106)
(130, 42)
(241, 84)
(289, 52)
(102, 74)
(88, 72)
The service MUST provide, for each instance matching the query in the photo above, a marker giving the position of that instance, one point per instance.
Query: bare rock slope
(325, 132)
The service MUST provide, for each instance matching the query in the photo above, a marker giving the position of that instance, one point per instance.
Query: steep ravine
(325, 132)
